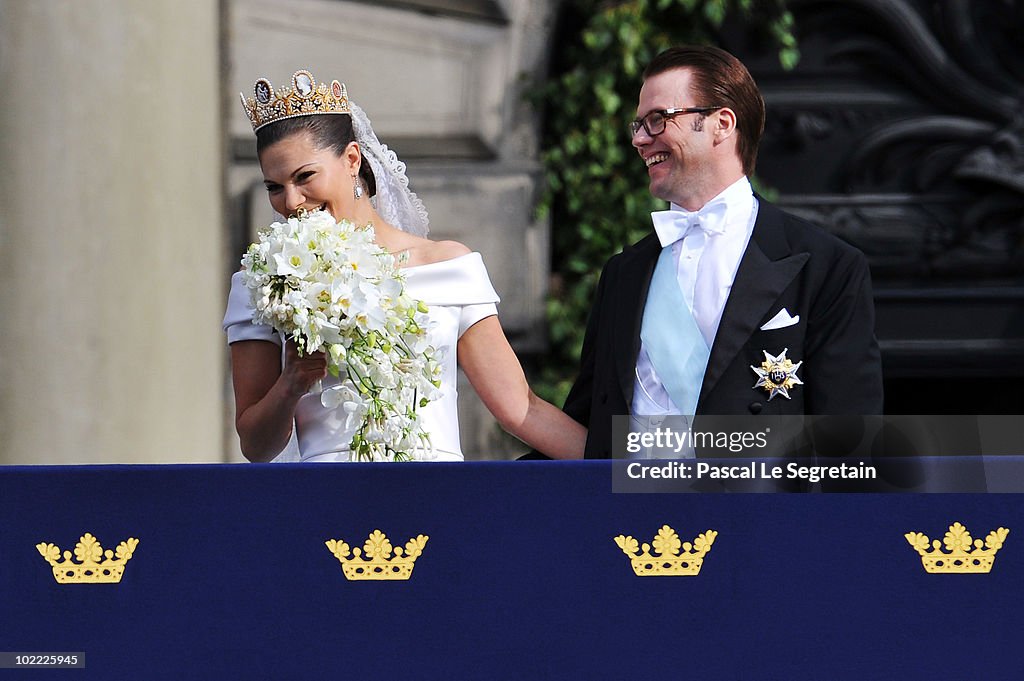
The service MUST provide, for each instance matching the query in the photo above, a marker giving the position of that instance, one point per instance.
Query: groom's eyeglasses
(654, 122)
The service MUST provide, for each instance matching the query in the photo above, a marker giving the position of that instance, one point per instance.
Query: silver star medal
(777, 375)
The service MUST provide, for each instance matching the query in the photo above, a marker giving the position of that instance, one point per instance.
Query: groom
(731, 306)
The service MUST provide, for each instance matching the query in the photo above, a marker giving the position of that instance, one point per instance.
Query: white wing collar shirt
(707, 247)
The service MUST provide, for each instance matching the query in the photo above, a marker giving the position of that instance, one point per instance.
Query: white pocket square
(780, 321)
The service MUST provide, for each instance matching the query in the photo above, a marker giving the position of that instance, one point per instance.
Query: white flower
(293, 259)
(390, 290)
(373, 317)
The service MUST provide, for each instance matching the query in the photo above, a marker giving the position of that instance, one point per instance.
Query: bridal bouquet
(328, 287)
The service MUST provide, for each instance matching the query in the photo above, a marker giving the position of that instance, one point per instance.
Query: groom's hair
(720, 79)
(326, 131)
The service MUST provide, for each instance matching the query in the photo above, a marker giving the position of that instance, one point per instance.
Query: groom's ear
(724, 124)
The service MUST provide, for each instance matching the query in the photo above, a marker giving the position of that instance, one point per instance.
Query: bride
(318, 151)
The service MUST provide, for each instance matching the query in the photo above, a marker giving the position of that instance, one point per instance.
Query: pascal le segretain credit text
(754, 470)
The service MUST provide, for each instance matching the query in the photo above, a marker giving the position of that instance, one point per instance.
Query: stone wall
(111, 232)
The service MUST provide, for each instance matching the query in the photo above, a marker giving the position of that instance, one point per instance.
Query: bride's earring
(357, 188)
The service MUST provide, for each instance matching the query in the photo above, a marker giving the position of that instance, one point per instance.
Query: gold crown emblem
(959, 557)
(669, 560)
(303, 98)
(89, 569)
(378, 563)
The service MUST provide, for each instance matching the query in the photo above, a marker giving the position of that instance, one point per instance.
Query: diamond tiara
(304, 97)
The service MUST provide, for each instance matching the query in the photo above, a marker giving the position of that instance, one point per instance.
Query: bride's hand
(302, 371)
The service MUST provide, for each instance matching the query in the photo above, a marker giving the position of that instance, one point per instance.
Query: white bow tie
(672, 225)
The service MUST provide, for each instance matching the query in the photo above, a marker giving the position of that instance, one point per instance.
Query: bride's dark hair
(327, 131)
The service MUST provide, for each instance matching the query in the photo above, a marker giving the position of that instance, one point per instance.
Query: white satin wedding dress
(458, 293)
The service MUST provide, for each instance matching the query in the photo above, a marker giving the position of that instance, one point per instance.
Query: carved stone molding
(902, 131)
(381, 54)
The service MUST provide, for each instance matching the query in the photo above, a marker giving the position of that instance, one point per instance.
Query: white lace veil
(394, 201)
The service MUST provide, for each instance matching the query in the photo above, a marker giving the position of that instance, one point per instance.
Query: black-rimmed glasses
(654, 122)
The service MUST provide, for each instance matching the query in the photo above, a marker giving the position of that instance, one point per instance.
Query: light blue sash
(671, 337)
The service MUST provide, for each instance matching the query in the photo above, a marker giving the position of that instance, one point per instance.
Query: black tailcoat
(789, 263)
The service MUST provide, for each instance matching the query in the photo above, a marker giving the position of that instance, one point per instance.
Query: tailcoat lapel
(766, 270)
(630, 297)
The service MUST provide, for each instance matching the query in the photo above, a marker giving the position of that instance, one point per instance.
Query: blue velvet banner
(520, 578)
